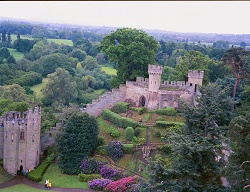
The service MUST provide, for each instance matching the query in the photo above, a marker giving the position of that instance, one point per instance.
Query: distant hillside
(158, 34)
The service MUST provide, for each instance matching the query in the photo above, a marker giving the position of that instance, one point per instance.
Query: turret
(195, 77)
(154, 81)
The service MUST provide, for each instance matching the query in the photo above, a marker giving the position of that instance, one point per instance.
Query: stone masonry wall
(106, 101)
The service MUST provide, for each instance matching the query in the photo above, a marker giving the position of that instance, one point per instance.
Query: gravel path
(23, 180)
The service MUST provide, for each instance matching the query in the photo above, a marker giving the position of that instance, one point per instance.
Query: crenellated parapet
(196, 74)
(154, 69)
(195, 77)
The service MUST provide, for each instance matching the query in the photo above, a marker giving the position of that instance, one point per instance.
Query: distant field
(16, 54)
(61, 41)
(14, 37)
(58, 41)
(109, 70)
(37, 88)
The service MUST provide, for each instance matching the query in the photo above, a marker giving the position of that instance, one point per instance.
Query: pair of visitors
(47, 184)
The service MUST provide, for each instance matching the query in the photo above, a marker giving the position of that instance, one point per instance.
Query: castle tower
(195, 77)
(154, 83)
(21, 140)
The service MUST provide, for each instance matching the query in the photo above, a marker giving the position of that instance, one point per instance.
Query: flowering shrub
(115, 150)
(90, 166)
(99, 184)
(125, 184)
(109, 173)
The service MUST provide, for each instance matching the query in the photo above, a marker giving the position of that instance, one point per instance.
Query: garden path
(24, 180)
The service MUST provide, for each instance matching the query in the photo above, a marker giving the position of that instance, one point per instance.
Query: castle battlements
(154, 69)
(20, 140)
(195, 74)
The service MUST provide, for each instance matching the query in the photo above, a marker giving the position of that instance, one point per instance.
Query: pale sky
(180, 16)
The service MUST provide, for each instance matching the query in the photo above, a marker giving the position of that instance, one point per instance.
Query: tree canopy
(77, 140)
(132, 50)
(60, 87)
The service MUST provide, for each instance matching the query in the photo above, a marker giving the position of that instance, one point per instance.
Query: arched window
(22, 135)
(12, 137)
(33, 138)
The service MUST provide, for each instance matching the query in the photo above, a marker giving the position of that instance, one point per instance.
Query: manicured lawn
(61, 41)
(109, 70)
(17, 55)
(37, 88)
(4, 176)
(21, 188)
(62, 180)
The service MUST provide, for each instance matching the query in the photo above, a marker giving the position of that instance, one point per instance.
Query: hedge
(102, 150)
(119, 121)
(127, 148)
(129, 133)
(37, 174)
(170, 111)
(88, 177)
(121, 107)
(167, 124)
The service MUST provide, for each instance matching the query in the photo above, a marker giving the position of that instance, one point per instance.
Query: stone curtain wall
(106, 101)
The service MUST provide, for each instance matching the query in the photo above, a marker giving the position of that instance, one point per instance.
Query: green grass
(61, 41)
(58, 41)
(99, 92)
(105, 129)
(17, 55)
(109, 70)
(37, 88)
(21, 188)
(4, 176)
(58, 179)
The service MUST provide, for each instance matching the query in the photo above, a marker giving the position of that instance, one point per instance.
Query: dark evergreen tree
(18, 35)
(77, 141)
(9, 38)
(4, 36)
(236, 171)
(195, 165)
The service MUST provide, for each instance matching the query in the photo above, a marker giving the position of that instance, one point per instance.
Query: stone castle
(150, 92)
(20, 140)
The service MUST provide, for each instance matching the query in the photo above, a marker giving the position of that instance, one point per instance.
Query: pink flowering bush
(125, 184)
(99, 184)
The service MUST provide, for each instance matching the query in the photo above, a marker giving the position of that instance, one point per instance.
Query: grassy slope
(62, 180)
(21, 188)
(17, 55)
(109, 70)
(37, 88)
(4, 176)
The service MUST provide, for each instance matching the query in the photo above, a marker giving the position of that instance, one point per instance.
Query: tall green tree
(14, 92)
(60, 87)
(237, 60)
(194, 60)
(132, 50)
(194, 165)
(9, 38)
(4, 36)
(237, 173)
(77, 141)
